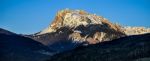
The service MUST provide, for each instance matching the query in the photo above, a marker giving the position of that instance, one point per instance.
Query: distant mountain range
(68, 33)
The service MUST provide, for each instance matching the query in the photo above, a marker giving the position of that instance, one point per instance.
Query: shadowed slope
(129, 48)
(14, 47)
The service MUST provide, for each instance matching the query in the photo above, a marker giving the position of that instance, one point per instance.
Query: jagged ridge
(74, 18)
(83, 26)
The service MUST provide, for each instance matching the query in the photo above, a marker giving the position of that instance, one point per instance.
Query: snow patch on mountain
(72, 18)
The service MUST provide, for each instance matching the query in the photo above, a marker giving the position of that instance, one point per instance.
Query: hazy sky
(31, 16)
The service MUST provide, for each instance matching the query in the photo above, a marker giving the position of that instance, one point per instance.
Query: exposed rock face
(83, 26)
(136, 30)
(73, 27)
(74, 18)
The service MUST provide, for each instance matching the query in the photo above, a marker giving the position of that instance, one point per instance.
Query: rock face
(135, 30)
(75, 18)
(73, 27)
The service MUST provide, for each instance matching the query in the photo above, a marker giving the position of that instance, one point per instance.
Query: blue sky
(31, 16)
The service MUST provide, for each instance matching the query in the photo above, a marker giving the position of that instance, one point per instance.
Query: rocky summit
(83, 26)
(72, 28)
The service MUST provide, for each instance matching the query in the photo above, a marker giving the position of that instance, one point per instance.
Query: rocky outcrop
(74, 18)
(136, 30)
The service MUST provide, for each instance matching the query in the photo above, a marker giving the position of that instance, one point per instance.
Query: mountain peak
(74, 18)
(79, 26)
